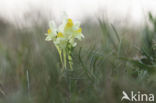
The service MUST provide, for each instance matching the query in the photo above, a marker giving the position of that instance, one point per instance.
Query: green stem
(60, 54)
(70, 61)
(64, 56)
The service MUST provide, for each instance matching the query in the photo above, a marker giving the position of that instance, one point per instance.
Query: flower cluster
(64, 37)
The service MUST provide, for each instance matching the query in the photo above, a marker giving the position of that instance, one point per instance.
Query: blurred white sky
(77, 9)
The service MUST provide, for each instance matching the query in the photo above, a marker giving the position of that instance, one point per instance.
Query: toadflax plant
(64, 38)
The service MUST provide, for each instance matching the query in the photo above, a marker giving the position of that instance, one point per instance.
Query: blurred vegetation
(109, 60)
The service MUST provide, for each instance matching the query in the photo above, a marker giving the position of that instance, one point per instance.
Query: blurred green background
(110, 59)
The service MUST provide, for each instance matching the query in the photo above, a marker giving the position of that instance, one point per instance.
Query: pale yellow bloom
(69, 23)
(59, 34)
(49, 31)
(64, 37)
(52, 31)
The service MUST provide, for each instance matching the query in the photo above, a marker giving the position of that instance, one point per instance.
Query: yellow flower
(59, 34)
(49, 31)
(51, 35)
(65, 38)
(69, 23)
(79, 30)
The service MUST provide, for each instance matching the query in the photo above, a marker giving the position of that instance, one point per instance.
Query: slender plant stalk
(64, 56)
(60, 54)
(28, 83)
